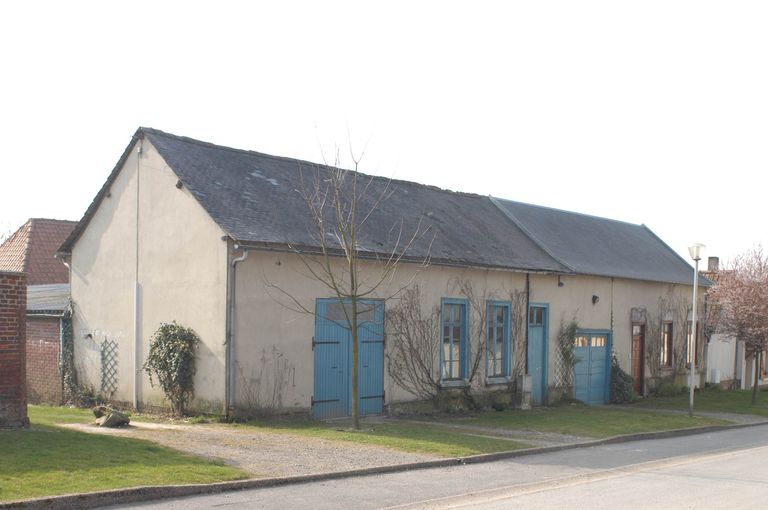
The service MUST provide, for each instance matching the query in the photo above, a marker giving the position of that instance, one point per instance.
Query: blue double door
(593, 367)
(332, 346)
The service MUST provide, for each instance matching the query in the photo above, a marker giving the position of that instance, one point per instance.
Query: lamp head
(696, 251)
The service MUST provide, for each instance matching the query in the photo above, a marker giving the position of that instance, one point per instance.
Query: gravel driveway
(262, 454)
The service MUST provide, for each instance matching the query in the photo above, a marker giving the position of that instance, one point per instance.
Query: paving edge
(159, 492)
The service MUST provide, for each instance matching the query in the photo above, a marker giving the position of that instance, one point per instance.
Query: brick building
(31, 250)
(13, 397)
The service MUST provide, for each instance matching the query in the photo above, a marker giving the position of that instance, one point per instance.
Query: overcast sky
(646, 112)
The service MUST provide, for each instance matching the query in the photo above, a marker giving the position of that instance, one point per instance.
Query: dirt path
(263, 454)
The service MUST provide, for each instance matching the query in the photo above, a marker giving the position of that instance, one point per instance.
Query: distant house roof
(31, 250)
(255, 200)
(600, 246)
(43, 299)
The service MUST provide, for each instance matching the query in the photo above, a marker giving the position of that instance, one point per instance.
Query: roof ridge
(203, 143)
(574, 213)
(27, 246)
(52, 219)
(528, 233)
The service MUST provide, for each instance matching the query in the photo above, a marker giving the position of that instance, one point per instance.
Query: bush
(172, 360)
(669, 389)
(622, 384)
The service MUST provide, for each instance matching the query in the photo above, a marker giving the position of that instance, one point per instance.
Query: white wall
(182, 265)
(263, 324)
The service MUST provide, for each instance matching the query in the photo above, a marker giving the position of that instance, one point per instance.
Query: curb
(158, 492)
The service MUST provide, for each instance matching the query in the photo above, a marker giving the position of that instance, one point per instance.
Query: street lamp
(695, 252)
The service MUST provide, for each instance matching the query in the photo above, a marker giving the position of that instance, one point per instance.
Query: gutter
(229, 372)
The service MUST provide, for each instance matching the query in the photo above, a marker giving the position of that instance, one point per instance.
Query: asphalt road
(718, 470)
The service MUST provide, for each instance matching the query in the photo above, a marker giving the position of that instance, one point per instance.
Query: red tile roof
(31, 249)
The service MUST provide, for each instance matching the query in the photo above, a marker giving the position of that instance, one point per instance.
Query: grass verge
(409, 437)
(735, 401)
(596, 422)
(47, 460)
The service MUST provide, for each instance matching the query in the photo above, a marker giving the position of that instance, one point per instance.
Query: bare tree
(414, 339)
(653, 343)
(341, 205)
(741, 294)
(519, 301)
(679, 307)
(478, 337)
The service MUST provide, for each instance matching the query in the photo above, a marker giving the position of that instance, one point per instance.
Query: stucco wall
(180, 265)
(265, 327)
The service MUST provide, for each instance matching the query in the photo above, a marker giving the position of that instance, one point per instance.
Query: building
(31, 250)
(218, 240)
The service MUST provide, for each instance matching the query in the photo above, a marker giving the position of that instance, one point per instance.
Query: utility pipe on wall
(229, 373)
(137, 297)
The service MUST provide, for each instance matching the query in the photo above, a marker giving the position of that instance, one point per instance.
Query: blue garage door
(333, 359)
(592, 370)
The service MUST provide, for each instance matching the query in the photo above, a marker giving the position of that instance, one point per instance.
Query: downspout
(229, 372)
(61, 331)
(527, 317)
(136, 295)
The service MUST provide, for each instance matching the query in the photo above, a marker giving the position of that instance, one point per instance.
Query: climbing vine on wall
(69, 374)
(566, 349)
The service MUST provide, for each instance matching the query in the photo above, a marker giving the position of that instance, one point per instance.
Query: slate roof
(255, 199)
(600, 246)
(31, 250)
(47, 298)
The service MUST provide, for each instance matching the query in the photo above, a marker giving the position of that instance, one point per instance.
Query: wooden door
(638, 358)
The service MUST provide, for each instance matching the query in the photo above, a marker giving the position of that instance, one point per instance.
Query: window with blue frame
(499, 340)
(454, 352)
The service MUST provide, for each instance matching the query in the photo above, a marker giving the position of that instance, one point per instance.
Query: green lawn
(404, 436)
(736, 401)
(580, 420)
(48, 460)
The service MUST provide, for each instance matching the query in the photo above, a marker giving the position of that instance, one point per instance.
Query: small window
(598, 341)
(666, 344)
(335, 312)
(498, 345)
(536, 316)
(582, 341)
(454, 333)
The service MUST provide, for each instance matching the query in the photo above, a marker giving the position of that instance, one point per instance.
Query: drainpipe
(527, 316)
(61, 329)
(229, 372)
(136, 295)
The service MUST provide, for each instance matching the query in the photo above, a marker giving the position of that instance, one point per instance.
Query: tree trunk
(355, 357)
(756, 378)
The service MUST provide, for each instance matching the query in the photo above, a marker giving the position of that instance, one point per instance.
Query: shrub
(622, 384)
(172, 360)
(669, 389)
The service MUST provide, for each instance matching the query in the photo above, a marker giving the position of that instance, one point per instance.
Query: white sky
(650, 112)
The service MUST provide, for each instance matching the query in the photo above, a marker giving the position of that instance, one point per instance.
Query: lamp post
(695, 252)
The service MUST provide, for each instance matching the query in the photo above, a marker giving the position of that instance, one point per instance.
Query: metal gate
(332, 347)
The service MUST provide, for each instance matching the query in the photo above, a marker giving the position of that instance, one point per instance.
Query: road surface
(726, 469)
